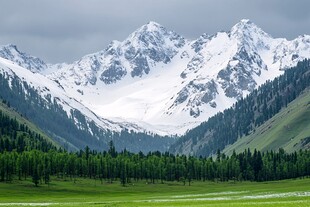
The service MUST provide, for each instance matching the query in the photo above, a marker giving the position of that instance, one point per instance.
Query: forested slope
(289, 129)
(247, 114)
(17, 133)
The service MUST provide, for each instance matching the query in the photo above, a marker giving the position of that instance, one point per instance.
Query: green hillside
(289, 129)
(257, 113)
(25, 129)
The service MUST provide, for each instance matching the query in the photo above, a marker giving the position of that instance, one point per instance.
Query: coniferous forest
(24, 155)
(125, 167)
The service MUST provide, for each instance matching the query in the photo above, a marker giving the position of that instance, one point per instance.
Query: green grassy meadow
(85, 192)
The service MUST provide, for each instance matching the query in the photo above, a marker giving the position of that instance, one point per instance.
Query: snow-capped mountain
(10, 52)
(149, 45)
(158, 77)
(166, 84)
(50, 90)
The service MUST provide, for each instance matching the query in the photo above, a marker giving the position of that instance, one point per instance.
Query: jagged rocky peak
(150, 44)
(249, 33)
(135, 56)
(11, 52)
(245, 26)
(151, 39)
(151, 32)
(151, 26)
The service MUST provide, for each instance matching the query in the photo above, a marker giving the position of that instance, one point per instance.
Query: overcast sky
(66, 30)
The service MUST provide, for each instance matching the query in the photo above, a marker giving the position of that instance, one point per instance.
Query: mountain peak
(8, 46)
(150, 27)
(245, 21)
(11, 52)
(245, 29)
(153, 35)
(245, 24)
(153, 24)
(9, 49)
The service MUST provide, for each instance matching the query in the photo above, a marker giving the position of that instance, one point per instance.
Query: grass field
(92, 193)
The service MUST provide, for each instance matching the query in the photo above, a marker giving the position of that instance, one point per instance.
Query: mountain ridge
(165, 84)
(11, 52)
(209, 73)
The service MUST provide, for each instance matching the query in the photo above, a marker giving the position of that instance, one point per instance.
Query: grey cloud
(65, 30)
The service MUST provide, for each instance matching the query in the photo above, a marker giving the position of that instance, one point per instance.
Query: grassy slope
(13, 114)
(285, 130)
(92, 193)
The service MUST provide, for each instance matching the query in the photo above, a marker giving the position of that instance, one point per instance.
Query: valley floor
(85, 192)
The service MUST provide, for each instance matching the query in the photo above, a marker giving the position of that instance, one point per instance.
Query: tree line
(126, 167)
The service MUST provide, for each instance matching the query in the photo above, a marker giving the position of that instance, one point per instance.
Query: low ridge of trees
(156, 167)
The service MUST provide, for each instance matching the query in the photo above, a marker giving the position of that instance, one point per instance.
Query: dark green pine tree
(46, 170)
(36, 176)
(123, 173)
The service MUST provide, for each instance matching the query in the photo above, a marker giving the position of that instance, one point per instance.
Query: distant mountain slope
(67, 121)
(289, 129)
(247, 114)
